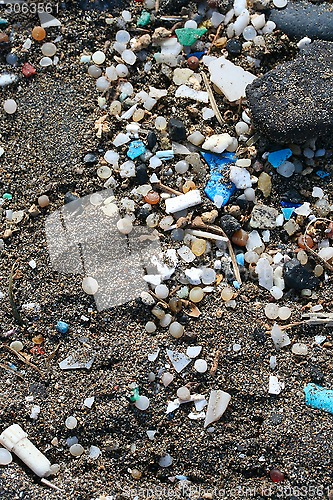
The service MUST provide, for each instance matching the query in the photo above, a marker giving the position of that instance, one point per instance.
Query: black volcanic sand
(45, 142)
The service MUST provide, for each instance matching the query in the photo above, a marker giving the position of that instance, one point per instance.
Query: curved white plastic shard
(217, 404)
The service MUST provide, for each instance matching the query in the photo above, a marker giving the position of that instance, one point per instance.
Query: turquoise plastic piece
(278, 157)
(136, 148)
(188, 36)
(318, 397)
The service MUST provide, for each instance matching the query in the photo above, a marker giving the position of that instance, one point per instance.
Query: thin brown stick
(215, 364)
(212, 99)
(8, 368)
(21, 358)
(168, 189)
(214, 39)
(323, 261)
(218, 230)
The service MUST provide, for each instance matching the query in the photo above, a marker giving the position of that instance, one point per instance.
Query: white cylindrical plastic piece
(15, 440)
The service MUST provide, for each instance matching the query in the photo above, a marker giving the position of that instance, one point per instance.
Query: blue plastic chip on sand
(287, 212)
(318, 397)
(278, 157)
(322, 174)
(136, 148)
(218, 165)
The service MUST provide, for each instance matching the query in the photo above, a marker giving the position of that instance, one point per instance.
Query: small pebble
(150, 327)
(49, 49)
(142, 403)
(38, 33)
(16, 345)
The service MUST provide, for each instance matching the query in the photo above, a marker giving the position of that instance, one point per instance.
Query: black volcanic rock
(301, 18)
(294, 101)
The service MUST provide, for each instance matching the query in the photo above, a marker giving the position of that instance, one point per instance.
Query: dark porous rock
(229, 225)
(294, 101)
(177, 130)
(298, 277)
(301, 18)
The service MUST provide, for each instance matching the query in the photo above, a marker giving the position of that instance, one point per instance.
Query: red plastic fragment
(28, 70)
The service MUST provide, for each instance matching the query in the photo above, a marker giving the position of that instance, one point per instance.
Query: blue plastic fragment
(322, 174)
(290, 204)
(199, 55)
(136, 148)
(318, 397)
(62, 327)
(287, 213)
(240, 259)
(278, 157)
(181, 478)
(218, 165)
(236, 284)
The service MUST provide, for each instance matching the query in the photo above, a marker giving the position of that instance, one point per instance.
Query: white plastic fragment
(179, 360)
(217, 404)
(165, 461)
(280, 338)
(183, 201)
(218, 143)
(88, 402)
(193, 351)
(188, 93)
(240, 177)
(232, 80)
(94, 452)
(275, 386)
(5, 457)
(15, 440)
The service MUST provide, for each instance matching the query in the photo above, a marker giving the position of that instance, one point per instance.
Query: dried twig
(323, 261)
(21, 358)
(215, 363)
(196, 223)
(8, 368)
(214, 39)
(168, 189)
(15, 311)
(212, 99)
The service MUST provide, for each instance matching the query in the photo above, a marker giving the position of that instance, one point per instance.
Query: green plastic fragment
(144, 19)
(7, 196)
(135, 396)
(188, 36)
(3, 22)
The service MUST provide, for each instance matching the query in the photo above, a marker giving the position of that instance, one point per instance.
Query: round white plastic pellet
(160, 123)
(191, 24)
(122, 70)
(249, 33)
(70, 422)
(76, 450)
(128, 57)
(280, 4)
(5, 457)
(94, 71)
(10, 106)
(272, 311)
(165, 322)
(162, 291)
(124, 226)
(176, 330)
(181, 167)
(123, 36)
(150, 327)
(102, 84)
(183, 393)
(16, 345)
(49, 49)
(284, 312)
(89, 285)
(142, 403)
(98, 57)
(200, 365)
(45, 61)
